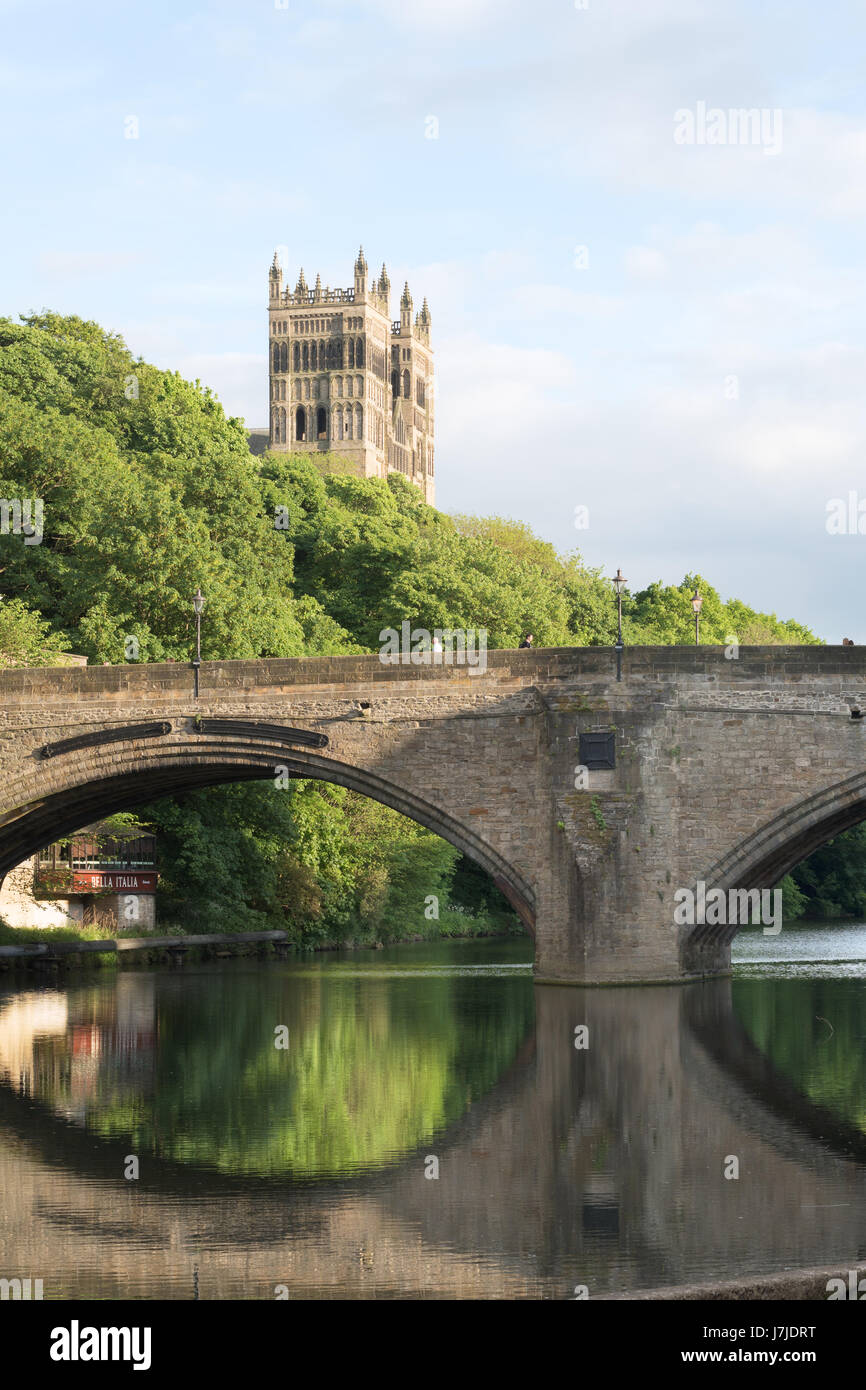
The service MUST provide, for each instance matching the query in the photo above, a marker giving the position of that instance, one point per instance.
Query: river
(418, 1122)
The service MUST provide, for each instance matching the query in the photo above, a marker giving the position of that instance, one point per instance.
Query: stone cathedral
(344, 377)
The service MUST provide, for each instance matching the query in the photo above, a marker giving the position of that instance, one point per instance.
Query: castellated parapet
(347, 379)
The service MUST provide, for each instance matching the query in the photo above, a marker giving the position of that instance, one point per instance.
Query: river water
(417, 1122)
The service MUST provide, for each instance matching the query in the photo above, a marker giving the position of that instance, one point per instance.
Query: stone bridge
(700, 769)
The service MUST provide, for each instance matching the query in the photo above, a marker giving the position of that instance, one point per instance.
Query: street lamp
(619, 584)
(198, 609)
(697, 604)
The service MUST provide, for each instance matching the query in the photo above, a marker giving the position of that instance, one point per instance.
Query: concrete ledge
(803, 1285)
(49, 949)
(627, 984)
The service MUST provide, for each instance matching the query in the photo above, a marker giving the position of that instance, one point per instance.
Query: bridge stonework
(727, 771)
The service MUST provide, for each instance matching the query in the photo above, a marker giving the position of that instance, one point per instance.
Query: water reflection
(307, 1073)
(557, 1166)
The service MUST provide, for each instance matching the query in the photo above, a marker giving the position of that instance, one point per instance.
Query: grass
(25, 936)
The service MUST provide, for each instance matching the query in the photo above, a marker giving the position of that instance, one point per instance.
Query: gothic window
(338, 422)
(282, 425)
(350, 386)
(276, 357)
(348, 422)
(406, 384)
(314, 352)
(300, 424)
(296, 357)
(359, 422)
(322, 358)
(321, 423)
(284, 357)
(395, 383)
(275, 425)
(339, 386)
(359, 353)
(307, 389)
(419, 391)
(306, 351)
(351, 361)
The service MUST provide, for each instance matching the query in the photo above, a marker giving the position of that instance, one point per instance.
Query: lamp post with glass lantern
(619, 584)
(198, 608)
(697, 604)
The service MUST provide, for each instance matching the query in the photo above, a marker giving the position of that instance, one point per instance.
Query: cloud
(77, 264)
(239, 379)
(645, 263)
(442, 16)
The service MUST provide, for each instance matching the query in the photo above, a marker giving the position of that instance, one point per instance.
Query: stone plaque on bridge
(597, 751)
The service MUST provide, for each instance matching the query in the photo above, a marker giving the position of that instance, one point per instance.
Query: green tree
(26, 638)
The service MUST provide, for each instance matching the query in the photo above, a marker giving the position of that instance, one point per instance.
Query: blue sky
(695, 377)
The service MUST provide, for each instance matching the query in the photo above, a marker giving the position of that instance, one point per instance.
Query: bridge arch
(125, 773)
(764, 857)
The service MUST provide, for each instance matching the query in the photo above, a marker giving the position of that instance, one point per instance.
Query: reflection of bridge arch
(128, 772)
(717, 1028)
(61, 1143)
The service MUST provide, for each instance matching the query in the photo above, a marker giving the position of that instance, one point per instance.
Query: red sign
(113, 881)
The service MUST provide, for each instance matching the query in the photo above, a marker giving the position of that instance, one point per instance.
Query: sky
(649, 318)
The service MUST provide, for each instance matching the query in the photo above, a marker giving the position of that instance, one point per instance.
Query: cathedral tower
(330, 385)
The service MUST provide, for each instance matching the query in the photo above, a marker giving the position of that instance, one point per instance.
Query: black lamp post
(198, 609)
(619, 584)
(697, 604)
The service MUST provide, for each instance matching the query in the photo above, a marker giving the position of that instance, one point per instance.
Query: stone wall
(19, 908)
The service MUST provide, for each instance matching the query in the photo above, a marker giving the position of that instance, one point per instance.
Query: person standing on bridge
(527, 641)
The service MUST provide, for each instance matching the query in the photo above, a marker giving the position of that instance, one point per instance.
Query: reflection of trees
(812, 1031)
(373, 1070)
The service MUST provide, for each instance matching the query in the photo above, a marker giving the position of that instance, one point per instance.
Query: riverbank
(70, 951)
